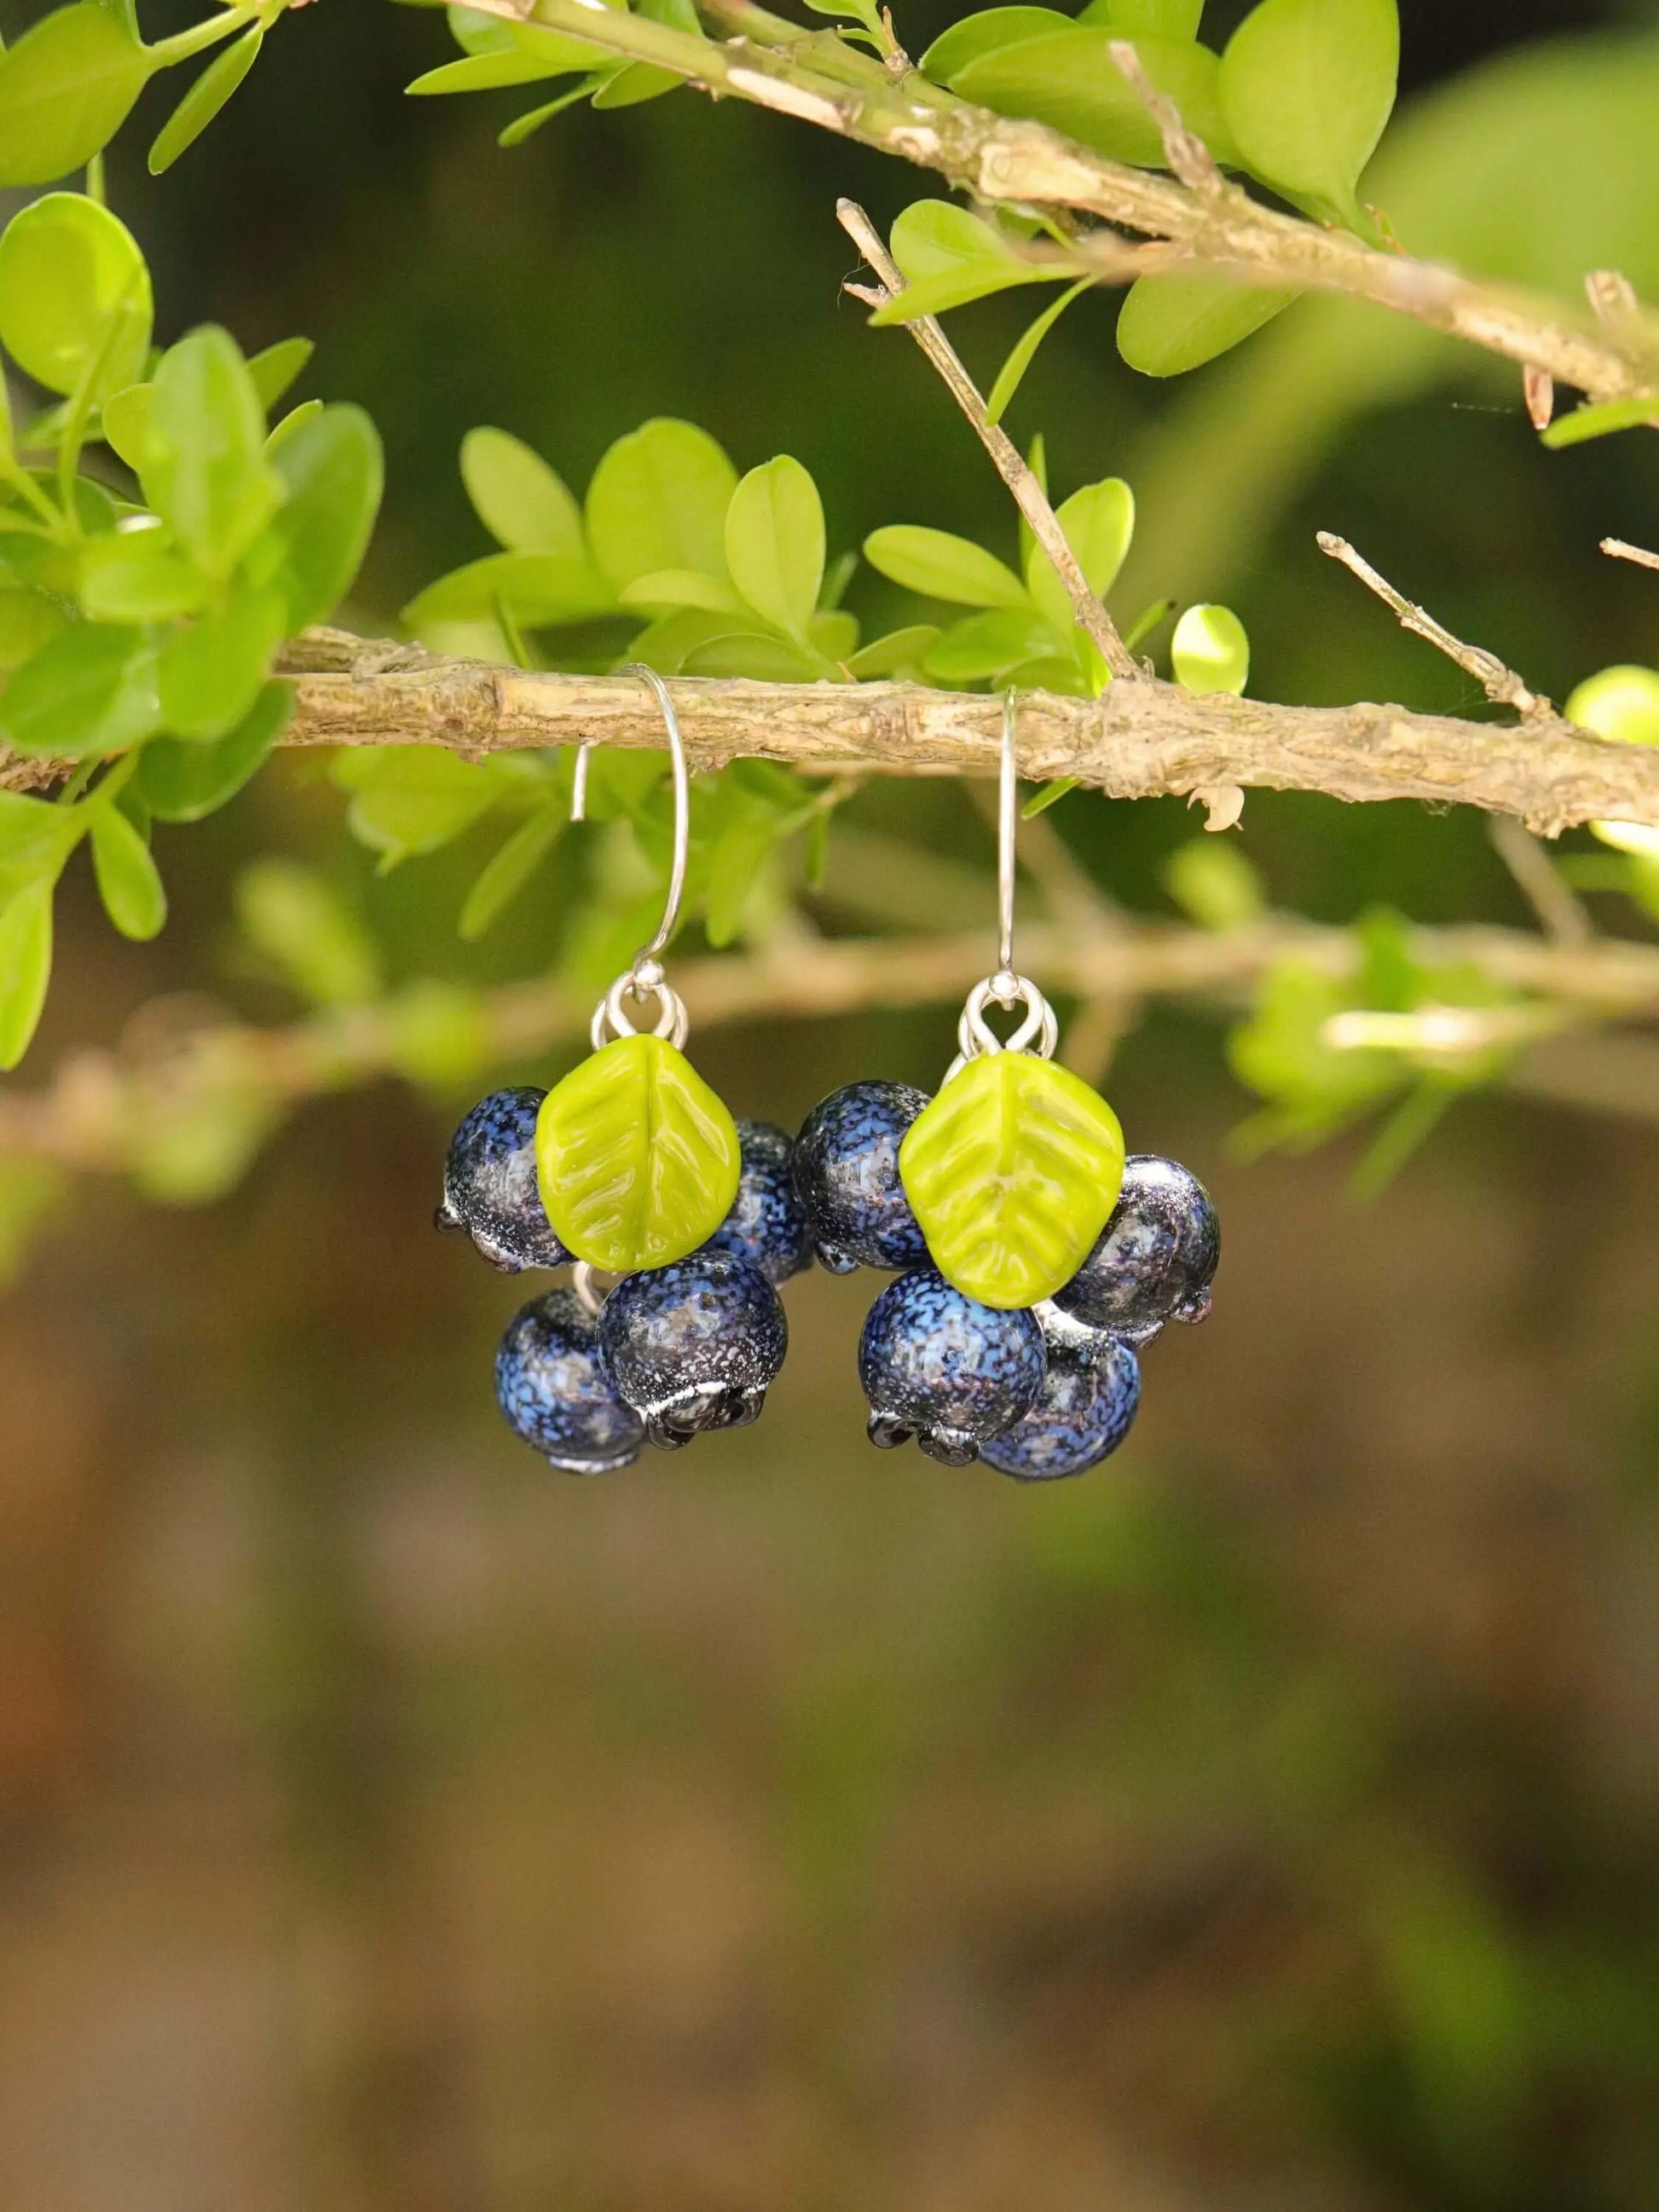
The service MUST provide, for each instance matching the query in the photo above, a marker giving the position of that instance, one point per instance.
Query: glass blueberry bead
(1156, 1258)
(554, 1391)
(939, 1367)
(847, 1177)
(1085, 1409)
(489, 1184)
(694, 1346)
(766, 1225)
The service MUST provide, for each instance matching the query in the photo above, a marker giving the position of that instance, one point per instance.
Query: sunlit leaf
(65, 90)
(129, 881)
(774, 544)
(205, 98)
(943, 567)
(1169, 324)
(1307, 86)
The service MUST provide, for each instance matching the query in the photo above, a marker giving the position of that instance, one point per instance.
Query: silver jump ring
(641, 984)
(588, 1291)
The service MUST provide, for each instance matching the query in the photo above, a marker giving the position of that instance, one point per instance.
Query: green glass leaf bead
(1011, 1172)
(638, 1158)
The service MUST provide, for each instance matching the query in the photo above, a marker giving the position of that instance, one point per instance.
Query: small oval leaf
(1011, 1171)
(129, 881)
(1307, 87)
(1169, 324)
(638, 1158)
(1211, 651)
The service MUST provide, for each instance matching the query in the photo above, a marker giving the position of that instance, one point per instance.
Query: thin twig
(112, 1112)
(1619, 550)
(1500, 682)
(1561, 911)
(1006, 457)
(1186, 152)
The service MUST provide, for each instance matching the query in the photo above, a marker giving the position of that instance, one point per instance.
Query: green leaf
(746, 841)
(658, 501)
(1307, 86)
(211, 673)
(205, 464)
(275, 369)
(1099, 523)
(66, 87)
(520, 501)
(27, 620)
(67, 266)
(181, 780)
(949, 257)
(307, 933)
(935, 238)
(1169, 324)
(511, 867)
(1211, 651)
(414, 798)
(282, 431)
(1011, 1171)
(899, 652)
(136, 576)
(761, 656)
(126, 424)
(636, 1157)
(24, 968)
(1022, 353)
(943, 567)
(1584, 423)
(91, 691)
(1621, 703)
(495, 72)
(331, 472)
(834, 632)
(637, 82)
(521, 126)
(535, 588)
(1068, 80)
(205, 98)
(1213, 884)
(36, 838)
(129, 881)
(680, 587)
(774, 546)
(1146, 18)
(964, 42)
(988, 645)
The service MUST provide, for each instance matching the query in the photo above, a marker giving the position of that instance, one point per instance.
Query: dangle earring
(632, 1167)
(1036, 1260)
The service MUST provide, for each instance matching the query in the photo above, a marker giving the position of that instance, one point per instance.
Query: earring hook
(644, 978)
(1039, 1031)
(1007, 836)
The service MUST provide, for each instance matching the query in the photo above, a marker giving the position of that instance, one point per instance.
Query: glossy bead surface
(489, 1184)
(766, 1225)
(1085, 1409)
(694, 1346)
(1156, 1258)
(847, 1177)
(949, 1372)
(553, 1388)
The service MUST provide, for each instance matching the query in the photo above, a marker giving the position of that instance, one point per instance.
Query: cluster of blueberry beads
(1037, 1393)
(674, 1351)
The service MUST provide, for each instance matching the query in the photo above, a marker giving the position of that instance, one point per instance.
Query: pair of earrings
(1033, 1261)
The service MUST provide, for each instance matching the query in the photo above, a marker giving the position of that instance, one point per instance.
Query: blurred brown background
(1269, 1823)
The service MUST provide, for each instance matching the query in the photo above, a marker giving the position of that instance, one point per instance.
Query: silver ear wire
(1039, 1032)
(644, 982)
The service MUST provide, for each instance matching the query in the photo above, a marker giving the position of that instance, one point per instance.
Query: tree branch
(817, 79)
(1139, 740)
(109, 1112)
(1007, 459)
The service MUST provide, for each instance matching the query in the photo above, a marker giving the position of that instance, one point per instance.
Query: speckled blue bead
(1156, 1258)
(694, 1346)
(847, 1177)
(556, 1394)
(766, 1225)
(489, 1184)
(1086, 1407)
(941, 1368)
